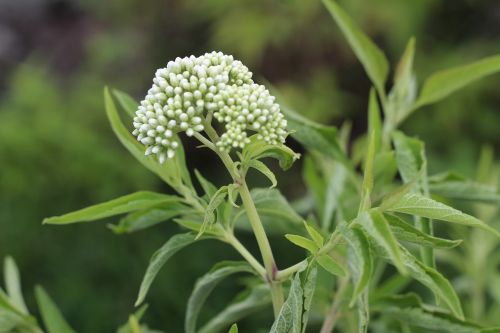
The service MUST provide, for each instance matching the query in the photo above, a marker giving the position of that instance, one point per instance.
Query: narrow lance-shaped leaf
(215, 201)
(149, 217)
(368, 181)
(167, 172)
(206, 185)
(52, 318)
(315, 234)
(374, 122)
(406, 232)
(416, 204)
(466, 190)
(262, 168)
(330, 265)
(315, 136)
(360, 259)
(409, 157)
(289, 320)
(276, 214)
(445, 82)
(303, 242)
(13, 284)
(126, 204)
(403, 93)
(204, 287)
(257, 299)
(129, 104)
(159, 259)
(309, 287)
(257, 149)
(312, 135)
(409, 309)
(371, 57)
(377, 227)
(432, 279)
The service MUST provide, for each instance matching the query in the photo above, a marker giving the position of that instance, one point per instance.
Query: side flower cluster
(189, 89)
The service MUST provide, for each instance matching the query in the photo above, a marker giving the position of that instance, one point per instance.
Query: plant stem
(287, 272)
(264, 246)
(333, 314)
(258, 230)
(246, 254)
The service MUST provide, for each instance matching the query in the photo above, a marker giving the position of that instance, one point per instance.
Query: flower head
(189, 89)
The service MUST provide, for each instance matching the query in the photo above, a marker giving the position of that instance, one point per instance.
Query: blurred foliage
(57, 152)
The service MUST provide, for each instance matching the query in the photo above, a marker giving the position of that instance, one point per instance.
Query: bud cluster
(189, 89)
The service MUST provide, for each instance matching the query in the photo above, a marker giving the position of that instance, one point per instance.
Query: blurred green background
(58, 153)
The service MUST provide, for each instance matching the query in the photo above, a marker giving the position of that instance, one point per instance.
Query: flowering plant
(355, 224)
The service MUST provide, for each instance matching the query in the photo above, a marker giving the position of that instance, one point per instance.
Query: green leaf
(432, 279)
(289, 320)
(359, 259)
(233, 329)
(405, 66)
(147, 218)
(52, 318)
(215, 201)
(303, 242)
(408, 309)
(416, 204)
(262, 168)
(409, 156)
(128, 104)
(330, 265)
(367, 186)
(384, 169)
(374, 121)
(204, 287)
(13, 284)
(390, 286)
(168, 172)
(258, 149)
(315, 136)
(466, 190)
(309, 286)
(363, 311)
(206, 185)
(258, 298)
(315, 235)
(446, 82)
(9, 321)
(126, 204)
(406, 232)
(370, 56)
(159, 259)
(232, 194)
(377, 227)
(276, 214)
(403, 93)
(334, 190)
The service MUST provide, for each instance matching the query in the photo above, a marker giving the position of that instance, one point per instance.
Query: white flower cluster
(189, 89)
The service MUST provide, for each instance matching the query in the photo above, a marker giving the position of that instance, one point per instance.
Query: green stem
(264, 246)
(235, 243)
(253, 217)
(284, 274)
